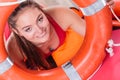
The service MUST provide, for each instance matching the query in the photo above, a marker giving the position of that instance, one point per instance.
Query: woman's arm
(65, 17)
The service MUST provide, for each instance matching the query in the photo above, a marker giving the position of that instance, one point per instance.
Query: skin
(36, 28)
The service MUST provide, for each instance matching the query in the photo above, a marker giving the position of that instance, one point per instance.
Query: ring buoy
(87, 60)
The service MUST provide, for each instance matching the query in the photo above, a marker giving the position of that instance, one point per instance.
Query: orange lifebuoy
(87, 60)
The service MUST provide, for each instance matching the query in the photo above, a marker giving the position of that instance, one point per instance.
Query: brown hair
(35, 59)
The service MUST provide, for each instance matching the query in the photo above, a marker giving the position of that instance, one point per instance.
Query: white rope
(110, 47)
(11, 3)
(111, 42)
(114, 13)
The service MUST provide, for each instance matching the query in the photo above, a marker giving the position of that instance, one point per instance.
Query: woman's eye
(40, 19)
(28, 29)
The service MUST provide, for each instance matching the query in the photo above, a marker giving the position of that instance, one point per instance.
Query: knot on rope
(111, 44)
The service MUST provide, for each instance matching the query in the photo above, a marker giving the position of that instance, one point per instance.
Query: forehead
(28, 16)
(29, 12)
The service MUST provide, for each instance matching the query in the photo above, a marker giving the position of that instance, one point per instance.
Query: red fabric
(60, 32)
(7, 31)
(110, 69)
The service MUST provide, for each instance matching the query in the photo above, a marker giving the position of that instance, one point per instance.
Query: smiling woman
(37, 30)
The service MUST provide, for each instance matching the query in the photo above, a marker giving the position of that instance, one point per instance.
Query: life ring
(84, 63)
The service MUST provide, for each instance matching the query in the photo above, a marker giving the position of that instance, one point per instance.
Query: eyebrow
(36, 20)
(38, 17)
(25, 27)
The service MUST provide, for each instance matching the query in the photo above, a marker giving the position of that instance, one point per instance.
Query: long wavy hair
(35, 59)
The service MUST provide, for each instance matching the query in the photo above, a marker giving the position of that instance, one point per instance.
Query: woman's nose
(38, 29)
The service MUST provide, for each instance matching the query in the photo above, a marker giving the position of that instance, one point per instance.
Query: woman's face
(33, 25)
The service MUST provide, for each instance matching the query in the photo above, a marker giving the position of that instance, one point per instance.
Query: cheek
(29, 37)
(45, 22)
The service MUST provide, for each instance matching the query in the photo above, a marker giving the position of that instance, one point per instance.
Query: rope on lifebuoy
(116, 17)
(111, 44)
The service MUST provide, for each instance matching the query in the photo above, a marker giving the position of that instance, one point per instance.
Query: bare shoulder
(53, 10)
(62, 15)
(66, 17)
(59, 12)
